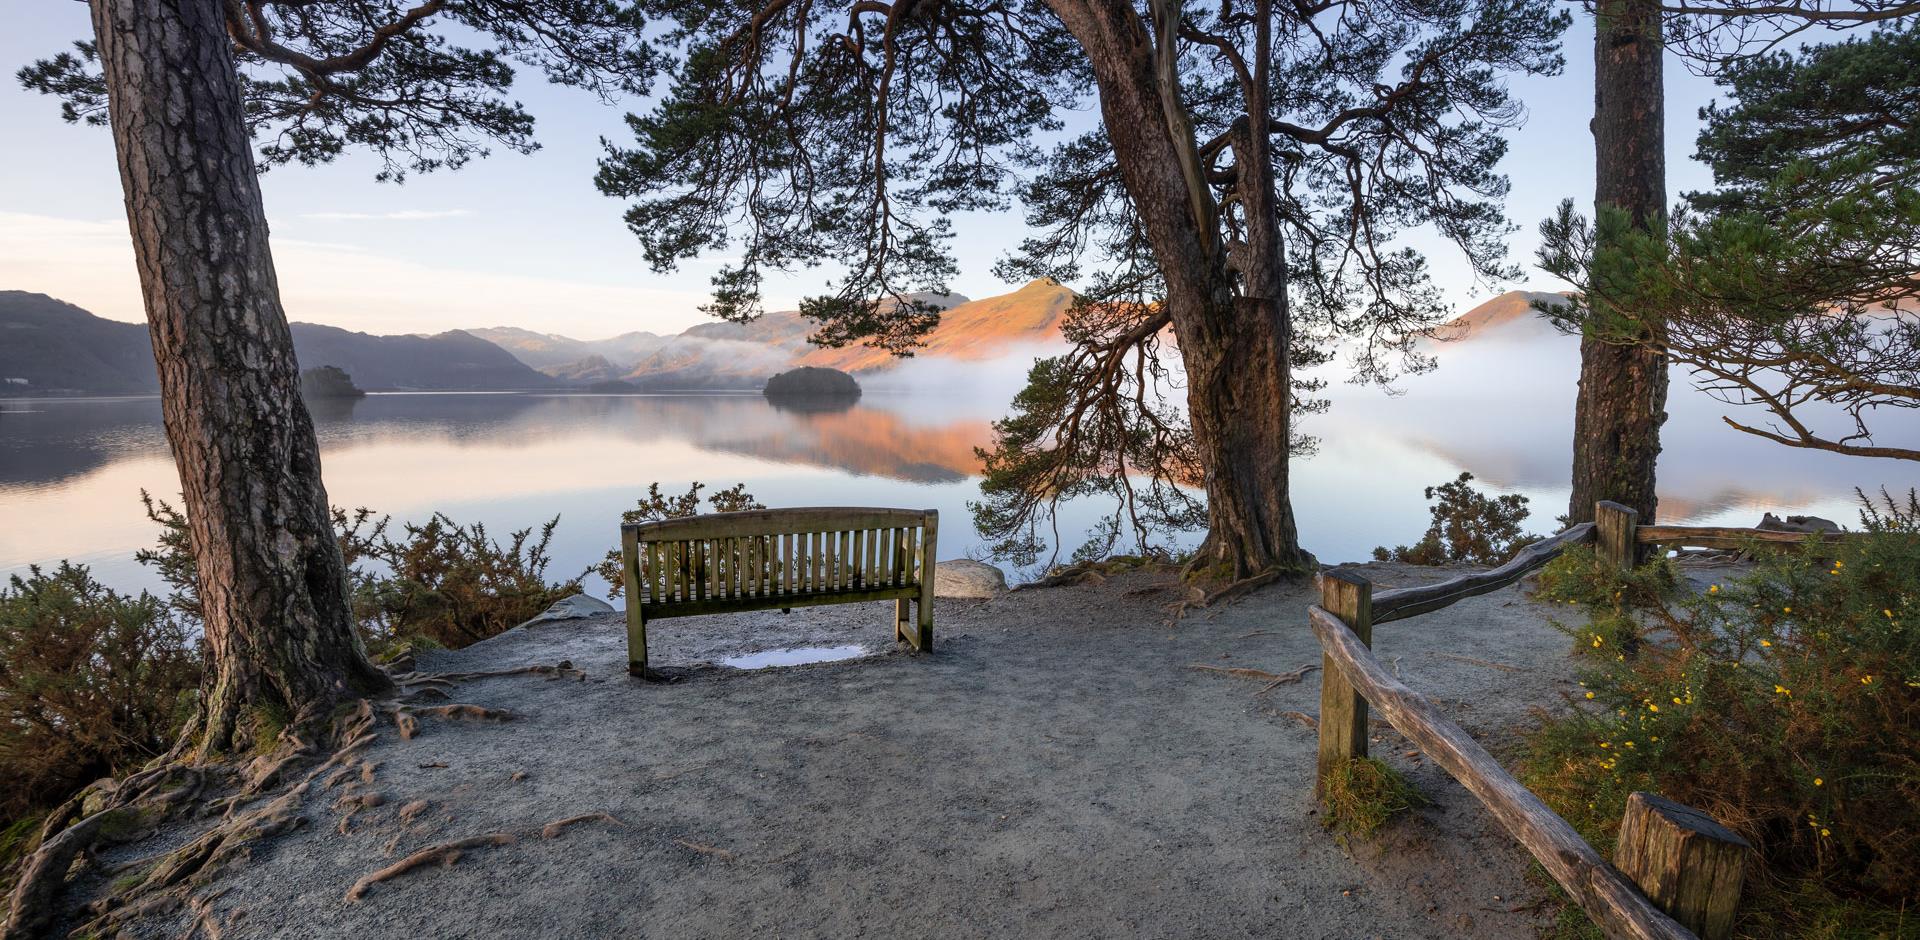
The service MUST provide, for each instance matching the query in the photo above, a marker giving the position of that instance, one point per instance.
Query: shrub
(1362, 794)
(1785, 702)
(453, 585)
(656, 506)
(1468, 528)
(92, 683)
(442, 584)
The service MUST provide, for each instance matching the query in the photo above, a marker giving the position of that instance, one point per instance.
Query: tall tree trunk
(1623, 389)
(279, 633)
(1234, 348)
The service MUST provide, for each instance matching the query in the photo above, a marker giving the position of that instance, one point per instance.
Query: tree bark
(280, 641)
(1234, 344)
(1623, 389)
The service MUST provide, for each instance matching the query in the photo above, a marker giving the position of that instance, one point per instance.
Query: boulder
(572, 608)
(964, 577)
(1773, 523)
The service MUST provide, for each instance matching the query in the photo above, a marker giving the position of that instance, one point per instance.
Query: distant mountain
(1509, 316)
(50, 345)
(455, 359)
(741, 356)
(972, 330)
(587, 371)
(47, 345)
(549, 352)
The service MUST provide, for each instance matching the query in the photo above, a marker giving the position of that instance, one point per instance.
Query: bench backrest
(777, 557)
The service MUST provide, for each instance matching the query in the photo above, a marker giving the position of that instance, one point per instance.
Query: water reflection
(71, 470)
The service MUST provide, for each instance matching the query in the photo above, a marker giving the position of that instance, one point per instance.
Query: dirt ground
(1055, 768)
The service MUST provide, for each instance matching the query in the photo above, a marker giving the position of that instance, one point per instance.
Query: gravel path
(1054, 769)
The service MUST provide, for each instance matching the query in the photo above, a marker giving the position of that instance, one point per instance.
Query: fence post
(1686, 864)
(1614, 527)
(1343, 713)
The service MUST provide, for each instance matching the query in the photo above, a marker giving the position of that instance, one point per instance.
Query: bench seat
(762, 559)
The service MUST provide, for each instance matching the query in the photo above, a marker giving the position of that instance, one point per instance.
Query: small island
(812, 385)
(329, 383)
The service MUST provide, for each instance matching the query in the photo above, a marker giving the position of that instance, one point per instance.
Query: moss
(17, 839)
(1362, 795)
(267, 720)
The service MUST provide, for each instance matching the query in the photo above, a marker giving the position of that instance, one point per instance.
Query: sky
(527, 241)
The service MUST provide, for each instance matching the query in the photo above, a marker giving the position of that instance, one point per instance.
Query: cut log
(1689, 865)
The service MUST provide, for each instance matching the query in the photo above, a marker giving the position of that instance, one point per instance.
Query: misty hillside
(550, 352)
(1510, 316)
(972, 330)
(57, 347)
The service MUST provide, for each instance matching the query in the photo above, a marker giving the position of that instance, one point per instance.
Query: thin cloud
(402, 215)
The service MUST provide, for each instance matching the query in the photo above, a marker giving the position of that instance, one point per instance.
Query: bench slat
(767, 521)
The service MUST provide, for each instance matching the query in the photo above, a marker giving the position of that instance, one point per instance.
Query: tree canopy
(424, 86)
(1251, 149)
(1791, 285)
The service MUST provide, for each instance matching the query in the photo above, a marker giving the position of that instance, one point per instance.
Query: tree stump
(1687, 864)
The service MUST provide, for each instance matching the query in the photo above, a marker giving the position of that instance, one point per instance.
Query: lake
(71, 470)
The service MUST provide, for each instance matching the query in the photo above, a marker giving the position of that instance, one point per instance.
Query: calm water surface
(71, 470)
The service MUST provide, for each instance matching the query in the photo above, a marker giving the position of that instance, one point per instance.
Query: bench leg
(636, 641)
(900, 619)
(924, 640)
(636, 614)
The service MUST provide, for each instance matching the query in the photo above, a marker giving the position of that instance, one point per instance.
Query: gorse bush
(656, 506)
(439, 584)
(1785, 702)
(454, 585)
(92, 683)
(1468, 528)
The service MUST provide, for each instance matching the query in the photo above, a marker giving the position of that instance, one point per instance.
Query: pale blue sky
(527, 241)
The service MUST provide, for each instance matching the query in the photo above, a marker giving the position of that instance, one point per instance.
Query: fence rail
(1663, 900)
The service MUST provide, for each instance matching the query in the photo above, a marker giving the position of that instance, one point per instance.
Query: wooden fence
(1677, 873)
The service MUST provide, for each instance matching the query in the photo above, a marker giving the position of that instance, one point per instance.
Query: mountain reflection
(45, 443)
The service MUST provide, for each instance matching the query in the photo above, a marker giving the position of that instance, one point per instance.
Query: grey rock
(572, 608)
(1773, 523)
(964, 577)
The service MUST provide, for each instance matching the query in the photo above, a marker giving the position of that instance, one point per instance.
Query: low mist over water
(71, 469)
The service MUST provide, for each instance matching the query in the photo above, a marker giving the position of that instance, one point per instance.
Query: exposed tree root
(445, 853)
(264, 797)
(1273, 679)
(704, 849)
(553, 829)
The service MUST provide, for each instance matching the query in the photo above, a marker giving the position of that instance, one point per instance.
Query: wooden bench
(785, 558)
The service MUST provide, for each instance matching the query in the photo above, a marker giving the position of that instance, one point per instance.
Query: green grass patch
(1362, 795)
